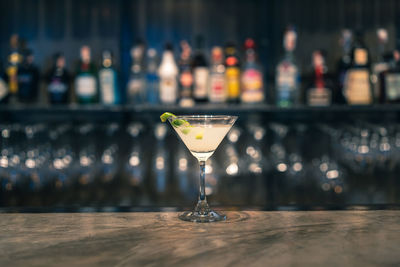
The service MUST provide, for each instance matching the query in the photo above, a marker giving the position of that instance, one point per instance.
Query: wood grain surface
(247, 238)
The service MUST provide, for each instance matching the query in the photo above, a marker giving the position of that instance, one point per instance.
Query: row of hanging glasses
(144, 164)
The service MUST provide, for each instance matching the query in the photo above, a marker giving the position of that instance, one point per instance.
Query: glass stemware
(202, 134)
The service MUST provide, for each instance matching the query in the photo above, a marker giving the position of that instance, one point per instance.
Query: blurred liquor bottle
(85, 81)
(380, 65)
(136, 83)
(344, 64)
(232, 73)
(287, 73)
(152, 79)
(200, 72)
(252, 76)
(357, 86)
(390, 80)
(217, 89)
(108, 80)
(28, 79)
(4, 91)
(14, 59)
(168, 72)
(319, 92)
(185, 76)
(58, 81)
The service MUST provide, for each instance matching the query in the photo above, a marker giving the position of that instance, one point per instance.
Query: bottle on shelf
(14, 59)
(390, 80)
(217, 90)
(252, 76)
(287, 73)
(380, 64)
(136, 84)
(108, 80)
(4, 91)
(232, 73)
(185, 76)
(58, 81)
(168, 73)
(28, 79)
(200, 72)
(344, 64)
(357, 86)
(85, 81)
(319, 93)
(152, 79)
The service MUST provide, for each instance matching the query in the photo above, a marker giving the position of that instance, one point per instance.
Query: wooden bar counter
(247, 238)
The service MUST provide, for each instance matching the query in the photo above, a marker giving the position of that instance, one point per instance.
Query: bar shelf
(336, 113)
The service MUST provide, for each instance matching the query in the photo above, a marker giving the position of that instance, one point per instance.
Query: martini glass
(202, 135)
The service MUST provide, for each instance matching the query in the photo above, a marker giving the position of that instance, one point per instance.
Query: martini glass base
(193, 216)
(202, 213)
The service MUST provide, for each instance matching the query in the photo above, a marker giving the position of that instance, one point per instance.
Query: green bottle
(86, 81)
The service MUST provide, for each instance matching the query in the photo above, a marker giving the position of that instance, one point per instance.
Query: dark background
(48, 26)
(64, 25)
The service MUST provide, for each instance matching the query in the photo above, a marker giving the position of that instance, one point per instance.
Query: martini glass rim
(212, 117)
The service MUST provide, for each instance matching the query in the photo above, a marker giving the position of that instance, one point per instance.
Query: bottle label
(186, 79)
(233, 82)
(319, 97)
(287, 77)
(107, 86)
(252, 86)
(217, 88)
(392, 84)
(357, 88)
(57, 87)
(12, 79)
(200, 82)
(24, 79)
(135, 87)
(168, 89)
(86, 85)
(378, 68)
(3, 89)
(360, 56)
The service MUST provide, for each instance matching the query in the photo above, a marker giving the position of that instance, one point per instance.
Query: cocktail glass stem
(202, 207)
(202, 196)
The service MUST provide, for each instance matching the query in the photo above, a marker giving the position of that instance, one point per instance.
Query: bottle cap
(383, 35)
(318, 58)
(59, 60)
(85, 54)
(249, 43)
(289, 41)
(217, 53)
